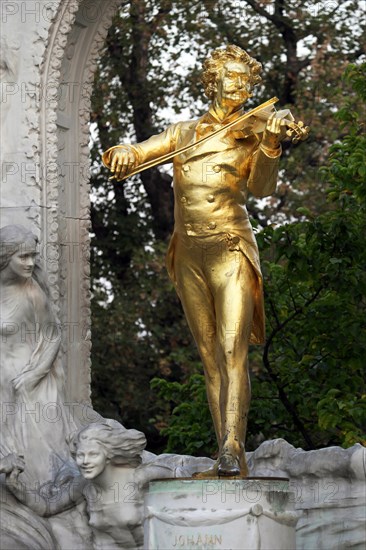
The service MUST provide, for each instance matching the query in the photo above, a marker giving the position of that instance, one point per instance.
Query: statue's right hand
(12, 463)
(123, 160)
(27, 380)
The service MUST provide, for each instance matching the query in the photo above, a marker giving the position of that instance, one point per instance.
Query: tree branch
(165, 8)
(285, 27)
(276, 379)
(136, 84)
(277, 18)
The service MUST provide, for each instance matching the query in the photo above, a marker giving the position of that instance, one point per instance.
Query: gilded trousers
(216, 284)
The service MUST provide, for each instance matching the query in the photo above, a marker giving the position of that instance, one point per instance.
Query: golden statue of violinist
(213, 257)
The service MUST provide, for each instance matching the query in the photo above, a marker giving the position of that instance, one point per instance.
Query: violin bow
(168, 156)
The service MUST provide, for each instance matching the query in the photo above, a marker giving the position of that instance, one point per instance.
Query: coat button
(188, 226)
(211, 225)
(210, 198)
(235, 239)
(183, 200)
(186, 168)
(217, 168)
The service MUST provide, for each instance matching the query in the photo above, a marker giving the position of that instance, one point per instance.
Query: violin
(296, 131)
(256, 120)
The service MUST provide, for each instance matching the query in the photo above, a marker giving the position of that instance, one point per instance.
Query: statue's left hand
(281, 125)
(274, 132)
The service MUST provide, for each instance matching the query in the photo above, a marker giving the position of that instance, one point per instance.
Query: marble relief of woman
(118, 470)
(115, 471)
(34, 422)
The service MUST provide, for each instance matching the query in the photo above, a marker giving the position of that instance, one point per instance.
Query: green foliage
(347, 171)
(190, 429)
(315, 275)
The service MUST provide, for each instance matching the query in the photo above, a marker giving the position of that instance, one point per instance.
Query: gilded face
(91, 457)
(22, 262)
(233, 87)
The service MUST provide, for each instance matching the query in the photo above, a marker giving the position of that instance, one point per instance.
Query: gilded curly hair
(214, 63)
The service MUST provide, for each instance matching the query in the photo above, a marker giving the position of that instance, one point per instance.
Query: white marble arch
(76, 40)
(49, 52)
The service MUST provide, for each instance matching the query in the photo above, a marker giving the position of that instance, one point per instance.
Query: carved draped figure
(34, 420)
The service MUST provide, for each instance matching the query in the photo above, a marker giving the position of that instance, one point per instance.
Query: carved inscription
(197, 541)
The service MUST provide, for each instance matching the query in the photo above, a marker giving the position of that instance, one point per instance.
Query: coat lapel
(190, 134)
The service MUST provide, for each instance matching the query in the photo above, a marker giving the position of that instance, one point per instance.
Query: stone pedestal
(218, 514)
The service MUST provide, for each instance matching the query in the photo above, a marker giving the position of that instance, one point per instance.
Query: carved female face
(233, 87)
(22, 262)
(91, 457)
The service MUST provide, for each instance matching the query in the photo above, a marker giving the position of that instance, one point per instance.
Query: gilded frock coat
(211, 183)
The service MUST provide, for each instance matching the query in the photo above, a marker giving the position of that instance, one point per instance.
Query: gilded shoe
(228, 465)
(208, 474)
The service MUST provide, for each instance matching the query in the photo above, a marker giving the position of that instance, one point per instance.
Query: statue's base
(220, 513)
